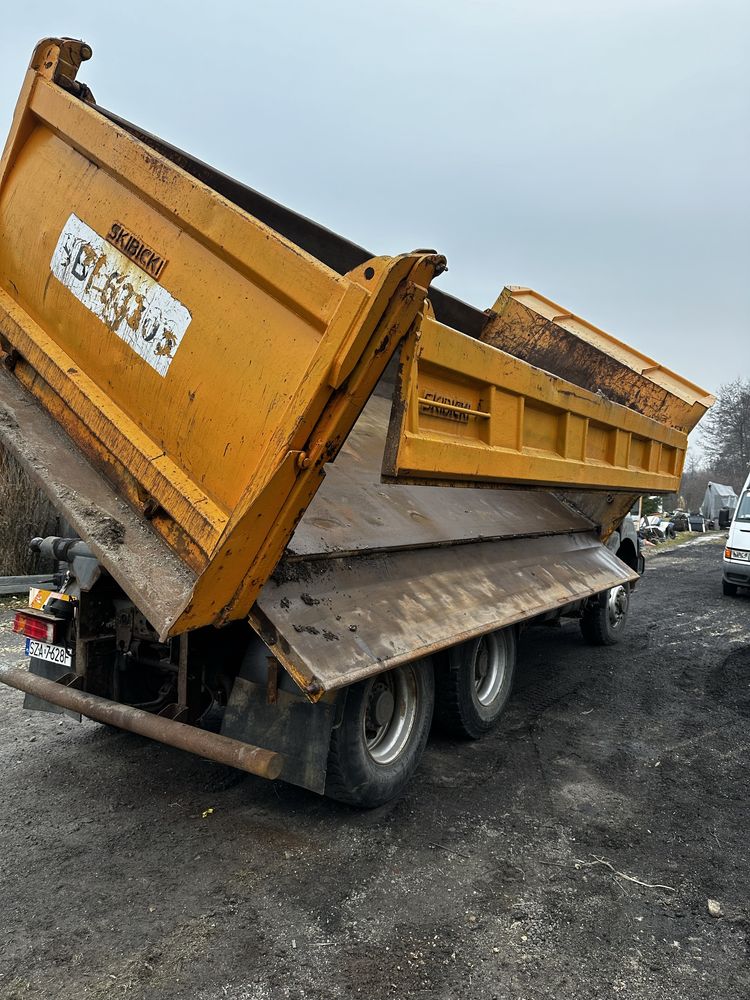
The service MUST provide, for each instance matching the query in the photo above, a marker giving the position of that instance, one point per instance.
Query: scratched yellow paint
(205, 364)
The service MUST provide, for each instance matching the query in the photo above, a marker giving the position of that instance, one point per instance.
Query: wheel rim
(490, 665)
(617, 606)
(390, 712)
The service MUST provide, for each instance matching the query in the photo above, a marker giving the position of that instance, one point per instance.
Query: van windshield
(743, 510)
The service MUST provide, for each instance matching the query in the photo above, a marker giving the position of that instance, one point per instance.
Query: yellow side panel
(471, 414)
(207, 366)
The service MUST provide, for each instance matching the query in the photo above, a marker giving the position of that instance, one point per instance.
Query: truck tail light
(36, 626)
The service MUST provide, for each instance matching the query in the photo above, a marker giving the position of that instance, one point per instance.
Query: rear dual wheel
(474, 682)
(376, 748)
(386, 719)
(605, 615)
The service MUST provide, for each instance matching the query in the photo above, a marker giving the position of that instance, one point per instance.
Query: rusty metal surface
(334, 621)
(59, 59)
(539, 331)
(354, 511)
(136, 556)
(233, 753)
(605, 509)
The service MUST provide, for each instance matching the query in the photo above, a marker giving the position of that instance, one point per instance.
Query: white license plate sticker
(128, 301)
(48, 652)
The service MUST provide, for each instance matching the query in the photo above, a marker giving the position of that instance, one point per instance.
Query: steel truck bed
(268, 440)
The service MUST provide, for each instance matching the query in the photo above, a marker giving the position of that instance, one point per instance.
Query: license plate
(48, 652)
(739, 554)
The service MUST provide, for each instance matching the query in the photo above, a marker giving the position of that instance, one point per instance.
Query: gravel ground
(130, 869)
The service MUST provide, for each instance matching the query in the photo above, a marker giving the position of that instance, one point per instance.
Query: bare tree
(695, 478)
(725, 434)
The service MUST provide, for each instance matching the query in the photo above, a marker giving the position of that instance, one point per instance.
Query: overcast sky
(595, 151)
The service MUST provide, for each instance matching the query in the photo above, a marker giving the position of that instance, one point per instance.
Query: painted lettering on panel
(121, 294)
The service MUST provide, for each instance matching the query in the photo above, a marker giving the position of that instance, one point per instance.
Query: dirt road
(128, 869)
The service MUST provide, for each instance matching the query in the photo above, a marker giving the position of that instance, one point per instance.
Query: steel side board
(354, 511)
(332, 622)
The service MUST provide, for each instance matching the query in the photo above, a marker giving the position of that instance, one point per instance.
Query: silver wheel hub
(617, 605)
(490, 664)
(390, 713)
(383, 709)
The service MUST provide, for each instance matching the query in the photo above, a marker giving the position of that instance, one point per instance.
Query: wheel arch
(627, 552)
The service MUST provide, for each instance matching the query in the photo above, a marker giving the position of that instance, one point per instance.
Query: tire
(605, 616)
(730, 589)
(376, 749)
(473, 684)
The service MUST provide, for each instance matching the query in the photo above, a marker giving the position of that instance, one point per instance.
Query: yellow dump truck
(312, 499)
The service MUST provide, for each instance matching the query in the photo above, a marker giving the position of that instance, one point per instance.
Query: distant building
(717, 497)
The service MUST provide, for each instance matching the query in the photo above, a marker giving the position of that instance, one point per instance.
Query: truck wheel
(474, 683)
(730, 589)
(604, 616)
(376, 748)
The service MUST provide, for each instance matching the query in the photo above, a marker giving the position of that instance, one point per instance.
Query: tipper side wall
(205, 365)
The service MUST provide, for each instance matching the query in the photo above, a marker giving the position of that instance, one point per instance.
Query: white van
(737, 553)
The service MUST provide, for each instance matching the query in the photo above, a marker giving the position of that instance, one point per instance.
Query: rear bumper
(233, 753)
(736, 572)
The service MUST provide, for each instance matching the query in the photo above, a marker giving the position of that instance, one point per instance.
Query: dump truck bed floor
(354, 511)
(377, 574)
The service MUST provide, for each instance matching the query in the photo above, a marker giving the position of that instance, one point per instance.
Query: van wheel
(377, 747)
(474, 682)
(730, 589)
(604, 616)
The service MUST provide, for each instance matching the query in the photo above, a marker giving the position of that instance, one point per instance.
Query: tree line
(725, 443)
